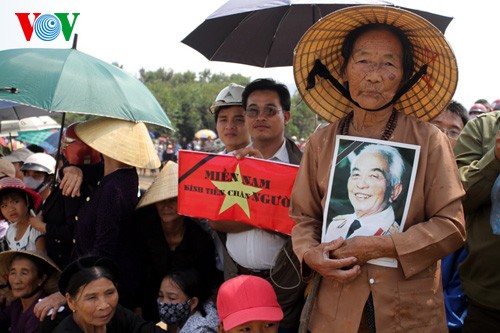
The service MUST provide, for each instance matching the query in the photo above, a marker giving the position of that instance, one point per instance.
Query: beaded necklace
(389, 127)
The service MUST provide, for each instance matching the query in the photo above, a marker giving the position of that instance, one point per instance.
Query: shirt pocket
(328, 299)
(418, 303)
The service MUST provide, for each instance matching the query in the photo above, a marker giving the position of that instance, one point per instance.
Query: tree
(186, 97)
(303, 121)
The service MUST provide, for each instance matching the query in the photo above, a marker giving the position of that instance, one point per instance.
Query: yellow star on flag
(236, 193)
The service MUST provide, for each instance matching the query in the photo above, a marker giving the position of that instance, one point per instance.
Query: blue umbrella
(51, 144)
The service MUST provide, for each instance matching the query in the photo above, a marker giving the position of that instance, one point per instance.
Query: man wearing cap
(476, 110)
(256, 251)
(363, 69)
(478, 157)
(230, 119)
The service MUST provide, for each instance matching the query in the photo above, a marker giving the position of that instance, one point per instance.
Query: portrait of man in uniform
(372, 200)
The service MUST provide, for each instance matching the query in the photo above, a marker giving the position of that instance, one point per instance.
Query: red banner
(250, 190)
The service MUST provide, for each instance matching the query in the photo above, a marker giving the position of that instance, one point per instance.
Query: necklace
(389, 127)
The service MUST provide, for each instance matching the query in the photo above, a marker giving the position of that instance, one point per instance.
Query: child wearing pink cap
(248, 304)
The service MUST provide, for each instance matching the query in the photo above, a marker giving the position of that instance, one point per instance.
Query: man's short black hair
(268, 84)
(458, 109)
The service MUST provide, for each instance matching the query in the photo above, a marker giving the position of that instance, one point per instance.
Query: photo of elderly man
(374, 183)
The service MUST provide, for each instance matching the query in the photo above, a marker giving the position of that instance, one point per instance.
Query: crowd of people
(84, 251)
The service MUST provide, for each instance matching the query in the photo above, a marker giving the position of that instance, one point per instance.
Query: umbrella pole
(75, 41)
(11, 143)
(58, 153)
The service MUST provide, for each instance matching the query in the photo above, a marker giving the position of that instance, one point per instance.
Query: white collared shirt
(282, 154)
(375, 224)
(257, 248)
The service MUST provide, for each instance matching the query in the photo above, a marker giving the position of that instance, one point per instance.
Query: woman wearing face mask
(170, 241)
(89, 286)
(29, 276)
(38, 170)
(184, 305)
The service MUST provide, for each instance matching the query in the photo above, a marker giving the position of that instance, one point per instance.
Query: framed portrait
(369, 190)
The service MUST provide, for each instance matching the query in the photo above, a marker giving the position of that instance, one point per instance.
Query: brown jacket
(408, 298)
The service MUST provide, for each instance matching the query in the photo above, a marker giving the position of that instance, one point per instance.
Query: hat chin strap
(319, 69)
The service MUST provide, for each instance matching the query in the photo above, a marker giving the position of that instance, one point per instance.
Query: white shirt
(27, 242)
(382, 223)
(376, 224)
(257, 248)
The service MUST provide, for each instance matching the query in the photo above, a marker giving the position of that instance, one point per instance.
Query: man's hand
(53, 302)
(341, 270)
(365, 248)
(37, 223)
(71, 182)
(248, 151)
(497, 145)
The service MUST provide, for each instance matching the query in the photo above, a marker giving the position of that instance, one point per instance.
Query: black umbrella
(264, 33)
(16, 111)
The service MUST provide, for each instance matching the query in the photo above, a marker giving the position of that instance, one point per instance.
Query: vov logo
(47, 27)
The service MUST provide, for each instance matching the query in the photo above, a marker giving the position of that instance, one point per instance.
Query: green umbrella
(35, 137)
(67, 80)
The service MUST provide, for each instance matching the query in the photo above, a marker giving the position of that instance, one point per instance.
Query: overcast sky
(147, 34)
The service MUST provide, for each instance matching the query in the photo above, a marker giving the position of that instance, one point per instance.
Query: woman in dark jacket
(89, 285)
(106, 224)
(170, 241)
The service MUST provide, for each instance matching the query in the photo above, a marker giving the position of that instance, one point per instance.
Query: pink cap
(247, 298)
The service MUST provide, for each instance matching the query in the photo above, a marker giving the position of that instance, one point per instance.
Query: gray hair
(391, 155)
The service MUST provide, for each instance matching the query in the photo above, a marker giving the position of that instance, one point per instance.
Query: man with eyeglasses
(477, 152)
(255, 251)
(451, 121)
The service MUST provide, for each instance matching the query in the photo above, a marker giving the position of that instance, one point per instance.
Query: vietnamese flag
(250, 190)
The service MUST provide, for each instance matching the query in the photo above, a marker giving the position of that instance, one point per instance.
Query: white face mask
(32, 183)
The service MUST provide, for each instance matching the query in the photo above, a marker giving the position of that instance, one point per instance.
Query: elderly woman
(89, 286)
(385, 72)
(170, 241)
(105, 224)
(29, 276)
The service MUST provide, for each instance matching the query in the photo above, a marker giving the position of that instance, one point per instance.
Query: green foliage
(186, 97)
(303, 121)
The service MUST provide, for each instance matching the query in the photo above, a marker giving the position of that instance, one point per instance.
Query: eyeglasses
(268, 111)
(451, 133)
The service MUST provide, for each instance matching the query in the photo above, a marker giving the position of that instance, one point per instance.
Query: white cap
(40, 162)
(231, 95)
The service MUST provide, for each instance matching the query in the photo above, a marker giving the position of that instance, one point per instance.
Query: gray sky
(147, 34)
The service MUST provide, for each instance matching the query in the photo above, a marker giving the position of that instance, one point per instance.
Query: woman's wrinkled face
(95, 303)
(23, 277)
(167, 209)
(375, 69)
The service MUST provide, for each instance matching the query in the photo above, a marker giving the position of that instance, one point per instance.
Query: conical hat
(165, 186)
(324, 40)
(125, 141)
(51, 284)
